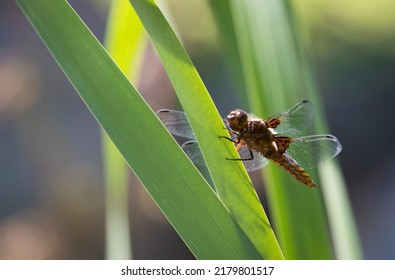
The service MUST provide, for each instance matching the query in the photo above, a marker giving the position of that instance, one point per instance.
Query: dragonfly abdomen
(288, 164)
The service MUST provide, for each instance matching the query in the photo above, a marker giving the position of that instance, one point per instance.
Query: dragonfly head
(237, 119)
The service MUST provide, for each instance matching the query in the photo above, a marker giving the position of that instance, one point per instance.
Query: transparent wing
(176, 122)
(311, 151)
(294, 121)
(258, 162)
(191, 148)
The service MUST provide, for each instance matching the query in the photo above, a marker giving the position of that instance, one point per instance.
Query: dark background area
(51, 187)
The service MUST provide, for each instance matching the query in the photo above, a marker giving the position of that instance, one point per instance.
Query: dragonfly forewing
(294, 121)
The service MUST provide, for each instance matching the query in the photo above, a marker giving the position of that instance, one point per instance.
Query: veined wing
(294, 121)
(191, 148)
(176, 122)
(258, 161)
(311, 151)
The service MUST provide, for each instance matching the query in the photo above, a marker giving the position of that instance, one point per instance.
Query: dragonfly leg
(237, 141)
(243, 159)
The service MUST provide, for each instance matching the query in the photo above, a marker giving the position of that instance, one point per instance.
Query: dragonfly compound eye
(237, 119)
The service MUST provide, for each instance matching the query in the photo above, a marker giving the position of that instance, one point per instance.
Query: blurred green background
(51, 188)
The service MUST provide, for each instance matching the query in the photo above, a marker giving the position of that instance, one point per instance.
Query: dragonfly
(277, 139)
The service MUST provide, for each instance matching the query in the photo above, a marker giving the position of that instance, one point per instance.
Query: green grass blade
(342, 224)
(168, 175)
(124, 40)
(118, 242)
(269, 62)
(229, 47)
(341, 221)
(230, 178)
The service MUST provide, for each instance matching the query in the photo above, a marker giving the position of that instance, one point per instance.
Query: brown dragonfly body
(260, 136)
(277, 139)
